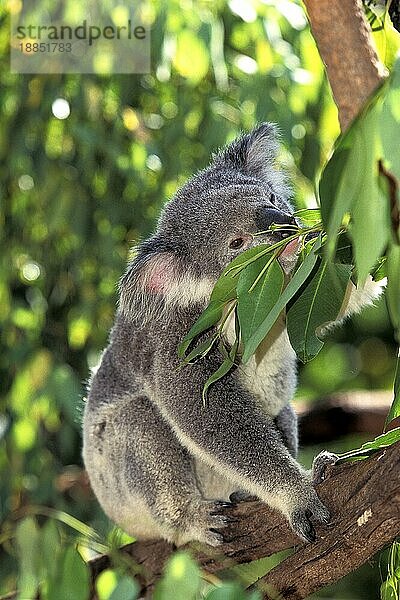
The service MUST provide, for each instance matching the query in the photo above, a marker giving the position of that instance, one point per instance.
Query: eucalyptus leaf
(201, 350)
(223, 292)
(379, 271)
(28, 548)
(226, 366)
(333, 204)
(389, 124)
(388, 589)
(370, 214)
(293, 286)
(393, 287)
(247, 257)
(255, 304)
(386, 38)
(348, 182)
(344, 249)
(181, 579)
(126, 589)
(395, 408)
(308, 215)
(208, 318)
(50, 557)
(74, 577)
(317, 305)
(382, 441)
(249, 573)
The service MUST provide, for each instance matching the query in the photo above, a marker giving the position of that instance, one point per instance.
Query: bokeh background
(86, 163)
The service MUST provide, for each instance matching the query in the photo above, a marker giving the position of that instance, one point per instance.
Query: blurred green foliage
(77, 192)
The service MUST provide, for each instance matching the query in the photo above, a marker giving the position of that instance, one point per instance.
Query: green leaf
(126, 589)
(28, 550)
(349, 184)
(224, 291)
(74, 577)
(382, 441)
(309, 216)
(393, 287)
(379, 272)
(247, 257)
(386, 39)
(370, 215)
(181, 579)
(389, 124)
(211, 316)
(255, 304)
(225, 288)
(389, 590)
(224, 369)
(293, 286)
(50, 557)
(317, 305)
(335, 202)
(395, 408)
(344, 250)
(201, 350)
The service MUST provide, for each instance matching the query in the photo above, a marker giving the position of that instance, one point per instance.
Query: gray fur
(158, 461)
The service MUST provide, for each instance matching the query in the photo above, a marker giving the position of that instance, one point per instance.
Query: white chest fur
(271, 373)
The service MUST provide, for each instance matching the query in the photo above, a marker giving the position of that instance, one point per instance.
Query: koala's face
(208, 228)
(214, 217)
(211, 220)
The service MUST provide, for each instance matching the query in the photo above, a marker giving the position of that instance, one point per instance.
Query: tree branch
(345, 45)
(365, 499)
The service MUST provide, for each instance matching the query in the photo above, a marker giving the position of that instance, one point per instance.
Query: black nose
(265, 217)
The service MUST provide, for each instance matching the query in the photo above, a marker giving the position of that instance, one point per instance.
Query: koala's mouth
(288, 256)
(291, 249)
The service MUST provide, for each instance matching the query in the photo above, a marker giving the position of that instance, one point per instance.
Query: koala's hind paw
(320, 462)
(211, 521)
(300, 518)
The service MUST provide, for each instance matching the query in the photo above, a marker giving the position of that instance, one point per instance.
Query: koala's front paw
(300, 517)
(320, 462)
(210, 520)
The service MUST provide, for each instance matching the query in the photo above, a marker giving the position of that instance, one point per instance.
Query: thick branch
(364, 497)
(344, 43)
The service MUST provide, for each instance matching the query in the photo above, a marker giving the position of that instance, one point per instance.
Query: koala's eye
(272, 199)
(236, 243)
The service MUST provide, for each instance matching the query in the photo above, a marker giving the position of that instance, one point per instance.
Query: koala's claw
(300, 518)
(214, 537)
(319, 511)
(320, 462)
(221, 504)
(302, 526)
(211, 520)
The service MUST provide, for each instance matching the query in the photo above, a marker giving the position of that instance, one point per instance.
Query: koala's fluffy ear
(150, 276)
(158, 278)
(253, 153)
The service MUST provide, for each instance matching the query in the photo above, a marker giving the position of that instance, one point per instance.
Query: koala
(160, 463)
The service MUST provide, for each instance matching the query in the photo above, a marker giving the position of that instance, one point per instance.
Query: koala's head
(211, 220)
